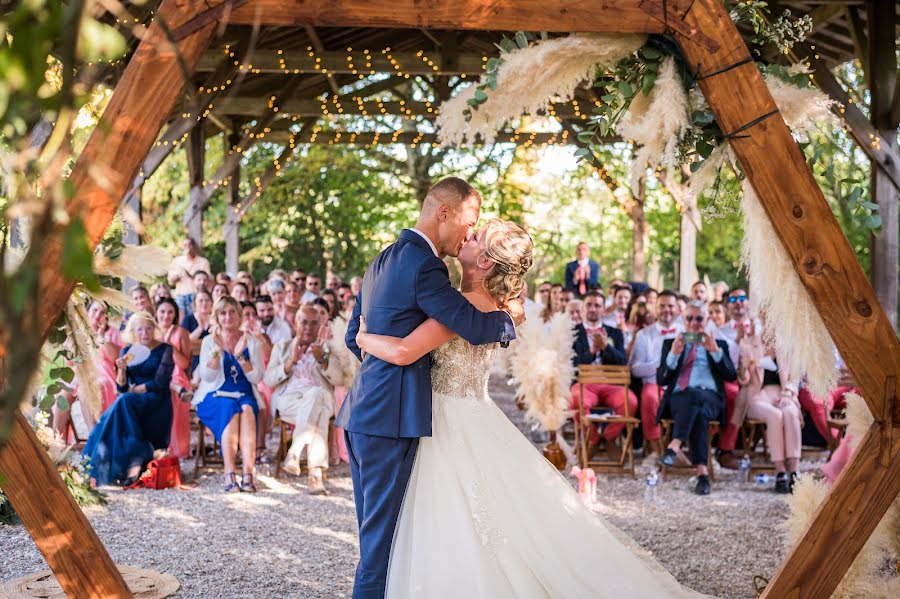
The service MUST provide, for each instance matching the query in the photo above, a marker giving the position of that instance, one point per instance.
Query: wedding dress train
(485, 515)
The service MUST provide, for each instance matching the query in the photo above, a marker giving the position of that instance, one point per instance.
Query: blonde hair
(221, 303)
(128, 334)
(510, 248)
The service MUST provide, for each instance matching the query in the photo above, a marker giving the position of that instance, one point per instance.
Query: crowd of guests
(693, 359)
(232, 351)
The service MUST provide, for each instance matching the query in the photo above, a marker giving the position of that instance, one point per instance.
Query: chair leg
(279, 458)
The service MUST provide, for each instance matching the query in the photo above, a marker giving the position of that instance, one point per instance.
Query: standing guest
(313, 288)
(240, 292)
(334, 281)
(245, 279)
(179, 339)
(159, 291)
(582, 273)
(304, 394)
(231, 364)
(618, 315)
(277, 291)
(292, 295)
(555, 305)
(543, 294)
(720, 291)
(198, 324)
(219, 290)
(574, 309)
(356, 285)
(334, 304)
(182, 273)
(202, 281)
(597, 343)
(694, 372)
(298, 278)
(109, 344)
(140, 420)
(644, 361)
(699, 292)
(274, 326)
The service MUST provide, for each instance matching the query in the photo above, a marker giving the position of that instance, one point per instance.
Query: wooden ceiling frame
(744, 108)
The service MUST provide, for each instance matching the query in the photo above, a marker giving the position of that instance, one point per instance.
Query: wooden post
(687, 253)
(638, 233)
(196, 157)
(805, 225)
(130, 236)
(231, 229)
(144, 98)
(882, 73)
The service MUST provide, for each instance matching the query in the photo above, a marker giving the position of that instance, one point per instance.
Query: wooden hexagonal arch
(744, 108)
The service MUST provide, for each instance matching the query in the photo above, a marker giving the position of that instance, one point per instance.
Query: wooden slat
(610, 16)
(102, 174)
(837, 285)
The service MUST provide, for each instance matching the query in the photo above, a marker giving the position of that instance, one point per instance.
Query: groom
(389, 407)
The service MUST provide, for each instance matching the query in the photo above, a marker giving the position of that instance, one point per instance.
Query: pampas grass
(341, 356)
(792, 321)
(859, 418)
(542, 369)
(88, 360)
(143, 262)
(113, 298)
(528, 79)
(802, 108)
(656, 122)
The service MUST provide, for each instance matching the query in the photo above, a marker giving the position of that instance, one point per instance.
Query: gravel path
(282, 542)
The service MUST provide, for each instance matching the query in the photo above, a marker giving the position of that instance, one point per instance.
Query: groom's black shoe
(669, 457)
(702, 487)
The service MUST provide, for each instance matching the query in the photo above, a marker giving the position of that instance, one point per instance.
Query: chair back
(603, 374)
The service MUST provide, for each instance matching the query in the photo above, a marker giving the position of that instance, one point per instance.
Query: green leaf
(695, 166)
(77, 258)
(870, 206)
(647, 83)
(46, 402)
(472, 102)
(65, 373)
(62, 403)
(625, 88)
(585, 136)
(704, 149)
(21, 287)
(855, 194)
(521, 40)
(480, 96)
(650, 53)
(492, 81)
(506, 45)
(873, 221)
(492, 64)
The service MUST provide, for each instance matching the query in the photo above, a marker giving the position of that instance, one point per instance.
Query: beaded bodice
(461, 369)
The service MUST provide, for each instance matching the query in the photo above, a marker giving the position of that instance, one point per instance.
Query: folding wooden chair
(602, 374)
(667, 425)
(286, 435)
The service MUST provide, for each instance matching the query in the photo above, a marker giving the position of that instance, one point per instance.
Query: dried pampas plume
(801, 107)
(113, 298)
(143, 263)
(88, 360)
(542, 369)
(656, 122)
(346, 362)
(792, 321)
(528, 79)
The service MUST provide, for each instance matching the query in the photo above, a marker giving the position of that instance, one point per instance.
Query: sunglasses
(737, 298)
(693, 318)
(299, 279)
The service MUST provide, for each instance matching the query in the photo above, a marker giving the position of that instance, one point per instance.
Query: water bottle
(652, 484)
(762, 479)
(744, 469)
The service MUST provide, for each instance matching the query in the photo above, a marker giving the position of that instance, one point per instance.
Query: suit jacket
(593, 278)
(614, 354)
(721, 371)
(403, 287)
(275, 377)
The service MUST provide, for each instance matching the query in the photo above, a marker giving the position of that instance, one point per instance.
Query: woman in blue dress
(231, 365)
(140, 420)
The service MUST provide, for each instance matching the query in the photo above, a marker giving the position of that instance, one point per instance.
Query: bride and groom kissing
(451, 499)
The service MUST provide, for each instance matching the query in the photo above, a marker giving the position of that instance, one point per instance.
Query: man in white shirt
(277, 328)
(181, 275)
(645, 361)
(313, 288)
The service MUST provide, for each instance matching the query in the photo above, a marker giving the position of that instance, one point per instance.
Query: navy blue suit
(389, 407)
(593, 277)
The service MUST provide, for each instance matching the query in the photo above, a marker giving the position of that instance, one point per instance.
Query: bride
(485, 515)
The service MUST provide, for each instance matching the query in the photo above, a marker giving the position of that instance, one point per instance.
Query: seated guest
(198, 323)
(555, 305)
(109, 344)
(251, 326)
(644, 361)
(243, 277)
(219, 290)
(274, 326)
(582, 272)
(618, 314)
(292, 295)
(718, 317)
(330, 297)
(574, 309)
(224, 279)
(693, 373)
(313, 288)
(770, 397)
(179, 339)
(240, 292)
(652, 295)
(303, 394)
(543, 294)
(140, 420)
(277, 290)
(231, 364)
(356, 285)
(567, 296)
(159, 291)
(596, 343)
(142, 301)
(611, 291)
(202, 280)
(720, 291)
(343, 292)
(639, 316)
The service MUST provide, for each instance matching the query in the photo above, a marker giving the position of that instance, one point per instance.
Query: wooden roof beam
(369, 138)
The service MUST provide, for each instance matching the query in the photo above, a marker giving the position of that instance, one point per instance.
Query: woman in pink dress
(109, 344)
(180, 340)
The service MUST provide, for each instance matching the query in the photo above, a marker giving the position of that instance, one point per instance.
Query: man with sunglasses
(313, 288)
(694, 368)
(299, 278)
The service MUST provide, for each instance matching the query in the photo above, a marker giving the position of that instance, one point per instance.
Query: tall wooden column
(231, 229)
(196, 157)
(882, 72)
(687, 253)
(130, 235)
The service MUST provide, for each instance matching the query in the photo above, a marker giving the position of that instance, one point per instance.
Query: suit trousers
(611, 396)
(380, 468)
(728, 438)
(692, 409)
(649, 408)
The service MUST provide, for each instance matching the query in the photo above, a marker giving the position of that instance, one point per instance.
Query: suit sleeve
(570, 276)
(664, 375)
(724, 367)
(353, 328)
(614, 354)
(438, 300)
(582, 347)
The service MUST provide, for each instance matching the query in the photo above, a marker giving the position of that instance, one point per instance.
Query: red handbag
(164, 473)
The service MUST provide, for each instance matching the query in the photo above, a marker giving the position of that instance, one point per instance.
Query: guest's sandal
(247, 485)
(231, 486)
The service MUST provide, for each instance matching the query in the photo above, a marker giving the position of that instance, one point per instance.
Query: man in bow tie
(597, 343)
(645, 361)
(582, 274)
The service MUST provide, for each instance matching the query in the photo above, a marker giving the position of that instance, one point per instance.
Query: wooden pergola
(126, 146)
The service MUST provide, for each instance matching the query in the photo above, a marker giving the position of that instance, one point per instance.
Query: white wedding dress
(486, 516)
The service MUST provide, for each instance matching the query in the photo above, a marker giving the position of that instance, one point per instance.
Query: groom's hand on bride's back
(516, 310)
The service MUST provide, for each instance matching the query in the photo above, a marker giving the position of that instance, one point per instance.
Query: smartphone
(692, 337)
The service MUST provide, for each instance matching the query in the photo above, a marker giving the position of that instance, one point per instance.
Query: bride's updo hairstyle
(510, 248)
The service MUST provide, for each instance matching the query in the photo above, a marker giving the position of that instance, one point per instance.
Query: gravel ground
(282, 542)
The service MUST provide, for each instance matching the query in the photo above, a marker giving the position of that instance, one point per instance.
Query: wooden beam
(882, 71)
(231, 228)
(609, 16)
(837, 285)
(860, 43)
(410, 138)
(144, 98)
(319, 47)
(196, 162)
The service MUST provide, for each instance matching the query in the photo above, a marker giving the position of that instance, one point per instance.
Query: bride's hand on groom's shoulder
(359, 336)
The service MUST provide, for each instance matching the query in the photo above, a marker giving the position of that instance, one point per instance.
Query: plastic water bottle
(652, 485)
(744, 469)
(762, 479)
